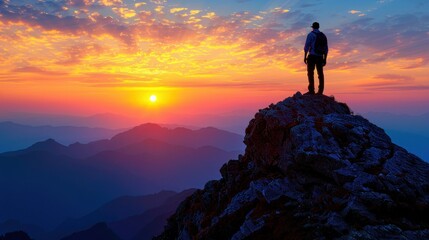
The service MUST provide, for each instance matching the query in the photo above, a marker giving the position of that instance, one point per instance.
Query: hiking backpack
(321, 43)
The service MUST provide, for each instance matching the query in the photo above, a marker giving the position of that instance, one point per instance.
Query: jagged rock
(311, 170)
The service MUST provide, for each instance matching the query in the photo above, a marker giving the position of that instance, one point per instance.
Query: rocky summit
(311, 170)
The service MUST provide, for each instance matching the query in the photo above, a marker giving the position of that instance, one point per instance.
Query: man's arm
(325, 56)
(307, 47)
(305, 56)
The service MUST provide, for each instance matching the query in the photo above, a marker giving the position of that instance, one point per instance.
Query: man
(318, 53)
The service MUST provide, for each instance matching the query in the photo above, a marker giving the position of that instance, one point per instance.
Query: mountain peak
(309, 125)
(311, 170)
(149, 126)
(47, 145)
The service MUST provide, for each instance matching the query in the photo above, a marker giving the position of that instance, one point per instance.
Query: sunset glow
(205, 57)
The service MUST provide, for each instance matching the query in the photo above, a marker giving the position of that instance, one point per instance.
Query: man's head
(315, 25)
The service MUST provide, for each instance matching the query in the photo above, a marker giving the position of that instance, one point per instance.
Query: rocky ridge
(311, 170)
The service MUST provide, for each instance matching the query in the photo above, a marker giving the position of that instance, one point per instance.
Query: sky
(206, 58)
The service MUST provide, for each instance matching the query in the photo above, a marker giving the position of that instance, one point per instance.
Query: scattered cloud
(125, 12)
(37, 70)
(210, 15)
(357, 12)
(393, 82)
(400, 41)
(139, 4)
(176, 10)
(158, 2)
(354, 11)
(401, 88)
(110, 2)
(74, 54)
(279, 10)
(194, 12)
(159, 9)
(394, 77)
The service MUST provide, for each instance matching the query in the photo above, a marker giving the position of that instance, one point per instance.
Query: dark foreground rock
(311, 170)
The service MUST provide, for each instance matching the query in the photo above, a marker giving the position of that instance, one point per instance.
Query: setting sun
(152, 98)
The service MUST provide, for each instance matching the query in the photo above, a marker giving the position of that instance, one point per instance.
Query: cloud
(279, 10)
(399, 38)
(354, 11)
(110, 2)
(158, 2)
(395, 77)
(111, 79)
(401, 88)
(359, 13)
(76, 53)
(95, 25)
(79, 3)
(159, 9)
(210, 15)
(28, 69)
(393, 82)
(176, 10)
(112, 82)
(194, 12)
(139, 4)
(37, 70)
(125, 12)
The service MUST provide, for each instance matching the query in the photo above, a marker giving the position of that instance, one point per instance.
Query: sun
(152, 98)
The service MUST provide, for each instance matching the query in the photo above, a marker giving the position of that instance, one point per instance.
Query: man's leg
(310, 73)
(319, 67)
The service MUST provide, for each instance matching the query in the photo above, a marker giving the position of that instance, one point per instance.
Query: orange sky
(109, 56)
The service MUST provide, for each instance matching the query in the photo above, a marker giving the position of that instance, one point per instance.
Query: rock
(311, 170)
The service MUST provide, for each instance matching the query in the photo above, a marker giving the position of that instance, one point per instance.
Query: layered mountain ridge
(56, 182)
(311, 170)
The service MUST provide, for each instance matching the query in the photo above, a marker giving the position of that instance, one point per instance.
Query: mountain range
(49, 182)
(126, 218)
(14, 136)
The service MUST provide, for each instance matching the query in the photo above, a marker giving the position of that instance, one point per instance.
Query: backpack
(321, 43)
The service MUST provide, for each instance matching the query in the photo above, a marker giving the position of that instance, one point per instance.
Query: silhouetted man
(317, 45)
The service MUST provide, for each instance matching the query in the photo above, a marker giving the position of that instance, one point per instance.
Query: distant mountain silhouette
(182, 136)
(49, 145)
(18, 235)
(179, 136)
(117, 209)
(130, 217)
(311, 170)
(99, 231)
(15, 136)
(151, 222)
(57, 181)
(14, 226)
